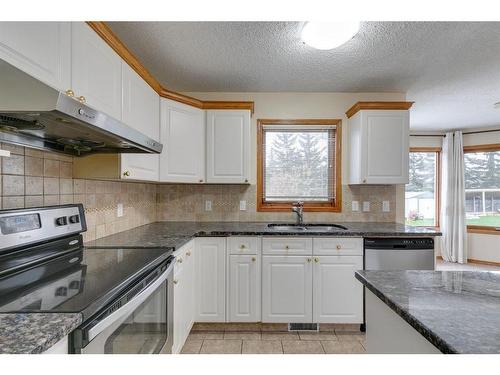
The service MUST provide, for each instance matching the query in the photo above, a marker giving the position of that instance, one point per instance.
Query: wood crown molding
(377, 105)
(105, 32)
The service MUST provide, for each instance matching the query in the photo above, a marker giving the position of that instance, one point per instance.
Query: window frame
(484, 229)
(335, 205)
(437, 151)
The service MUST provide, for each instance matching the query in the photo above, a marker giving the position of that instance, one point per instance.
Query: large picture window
(422, 193)
(298, 160)
(482, 187)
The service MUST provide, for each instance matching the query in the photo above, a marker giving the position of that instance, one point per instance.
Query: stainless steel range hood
(35, 115)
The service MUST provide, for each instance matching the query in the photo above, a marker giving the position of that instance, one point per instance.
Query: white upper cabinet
(141, 111)
(379, 147)
(41, 49)
(228, 146)
(183, 137)
(96, 71)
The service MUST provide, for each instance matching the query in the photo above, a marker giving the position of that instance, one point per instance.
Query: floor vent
(303, 327)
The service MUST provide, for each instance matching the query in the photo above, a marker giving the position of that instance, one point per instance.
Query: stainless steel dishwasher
(399, 254)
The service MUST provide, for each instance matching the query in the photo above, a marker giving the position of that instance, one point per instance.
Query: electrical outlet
(386, 206)
(366, 206)
(243, 205)
(119, 210)
(355, 206)
(208, 205)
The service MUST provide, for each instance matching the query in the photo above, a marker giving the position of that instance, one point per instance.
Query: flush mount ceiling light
(328, 35)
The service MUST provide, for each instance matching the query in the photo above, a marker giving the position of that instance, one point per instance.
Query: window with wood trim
(482, 187)
(299, 160)
(422, 194)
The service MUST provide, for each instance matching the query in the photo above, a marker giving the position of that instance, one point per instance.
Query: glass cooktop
(82, 281)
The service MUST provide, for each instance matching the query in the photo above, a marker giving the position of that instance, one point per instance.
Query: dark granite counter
(175, 234)
(26, 333)
(456, 311)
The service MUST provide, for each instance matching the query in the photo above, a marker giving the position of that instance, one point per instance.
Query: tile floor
(253, 339)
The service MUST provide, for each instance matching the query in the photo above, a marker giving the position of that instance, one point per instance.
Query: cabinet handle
(126, 173)
(316, 260)
(70, 93)
(200, 180)
(339, 247)
(176, 282)
(364, 180)
(242, 247)
(254, 259)
(188, 253)
(287, 247)
(246, 180)
(81, 99)
(308, 260)
(179, 260)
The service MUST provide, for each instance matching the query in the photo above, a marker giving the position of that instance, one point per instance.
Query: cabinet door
(337, 295)
(286, 289)
(387, 146)
(228, 146)
(141, 111)
(244, 288)
(96, 71)
(211, 279)
(183, 138)
(179, 309)
(41, 49)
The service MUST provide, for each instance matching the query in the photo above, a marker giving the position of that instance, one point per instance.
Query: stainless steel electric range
(125, 296)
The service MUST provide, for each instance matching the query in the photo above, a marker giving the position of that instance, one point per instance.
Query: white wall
(483, 247)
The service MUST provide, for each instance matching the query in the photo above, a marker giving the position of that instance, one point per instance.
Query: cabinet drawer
(287, 246)
(243, 245)
(183, 256)
(338, 246)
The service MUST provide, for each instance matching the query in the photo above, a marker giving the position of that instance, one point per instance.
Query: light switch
(243, 205)
(355, 206)
(386, 206)
(208, 205)
(366, 206)
(119, 210)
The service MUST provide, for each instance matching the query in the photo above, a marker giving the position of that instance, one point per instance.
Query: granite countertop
(175, 234)
(26, 333)
(457, 311)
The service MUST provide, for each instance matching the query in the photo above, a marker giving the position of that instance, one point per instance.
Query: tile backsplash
(180, 202)
(33, 178)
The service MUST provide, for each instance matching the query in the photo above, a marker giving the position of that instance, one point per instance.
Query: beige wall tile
(50, 200)
(33, 201)
(34, 185)
(12, 202)
(33, 152)
(13, 165)
(14, 149)
(12, 185)
(33, 166)
(66, 169)
(66, 186)
(50, 185)
(78, 186)
(51, 168)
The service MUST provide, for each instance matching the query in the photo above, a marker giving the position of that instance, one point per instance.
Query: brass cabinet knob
(200, 180)
(81, 99)
(316, 260)
(364, 180)
(70, 93)
(188, 253)
(308, 260)
(176, 282)
(287, 247)
(179, 260)
(242, 247)
(126, 173)
(246, 180)
(339, 247)
(254, 259)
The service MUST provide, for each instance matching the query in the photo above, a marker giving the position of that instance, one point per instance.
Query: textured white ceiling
(450, 70)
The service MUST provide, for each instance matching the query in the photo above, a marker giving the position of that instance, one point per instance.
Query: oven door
(144, 325)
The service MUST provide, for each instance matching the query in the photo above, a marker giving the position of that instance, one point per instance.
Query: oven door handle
(129, 306)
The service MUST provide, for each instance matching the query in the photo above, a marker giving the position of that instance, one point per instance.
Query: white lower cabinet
(244, 288)
(210, 279)
(337, 295)
(287, 289)
(184, 295)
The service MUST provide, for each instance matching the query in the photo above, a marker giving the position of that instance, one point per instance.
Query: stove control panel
(28, 226)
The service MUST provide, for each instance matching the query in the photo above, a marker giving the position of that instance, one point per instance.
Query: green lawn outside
(489, 220)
